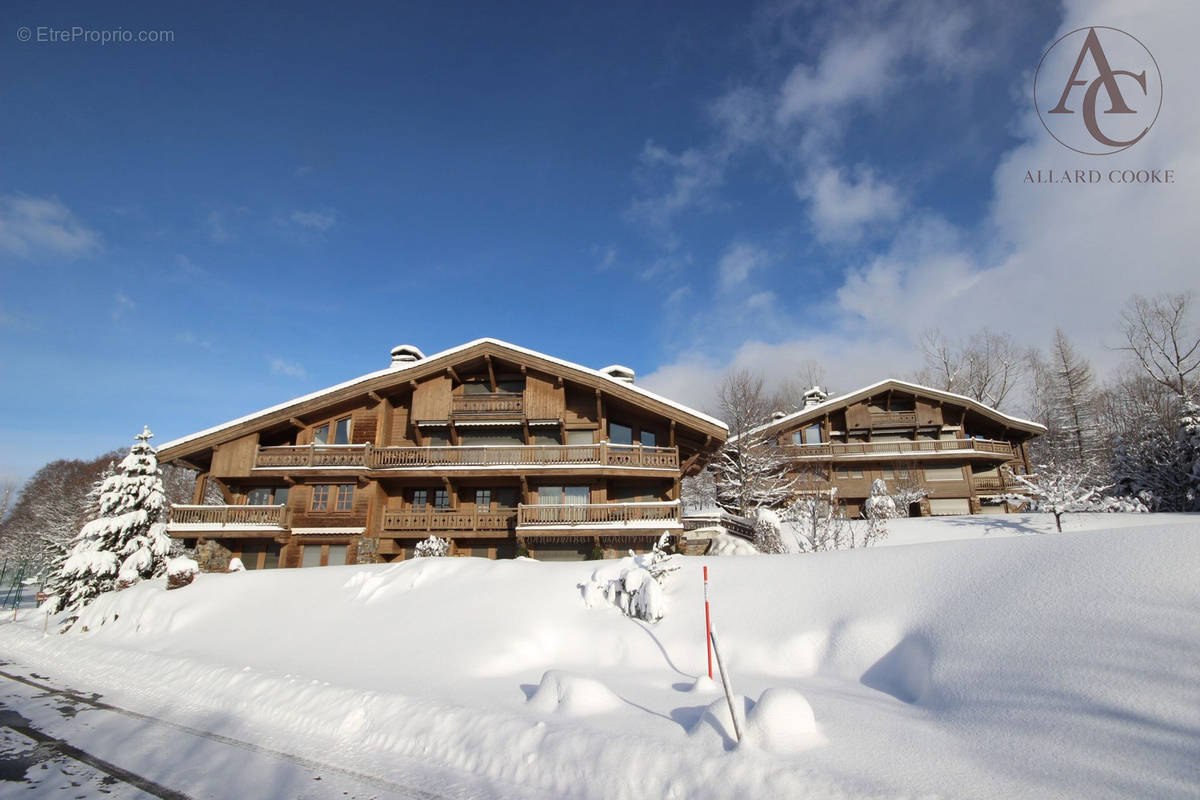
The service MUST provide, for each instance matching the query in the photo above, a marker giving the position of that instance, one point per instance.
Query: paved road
(54, 740)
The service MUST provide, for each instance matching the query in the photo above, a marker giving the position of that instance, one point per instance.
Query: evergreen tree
(1189, 451)
(127, 541)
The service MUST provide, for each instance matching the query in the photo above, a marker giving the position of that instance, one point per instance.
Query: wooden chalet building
(957, 449)
(491, 446)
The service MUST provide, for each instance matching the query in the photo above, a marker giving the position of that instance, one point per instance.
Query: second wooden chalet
(499, 449)
(956, 449)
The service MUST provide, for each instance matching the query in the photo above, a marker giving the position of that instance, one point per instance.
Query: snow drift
(1065, 665)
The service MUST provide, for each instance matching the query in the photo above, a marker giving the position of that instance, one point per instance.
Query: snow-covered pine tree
(879, 508)
(1189, 451)
(128, 540)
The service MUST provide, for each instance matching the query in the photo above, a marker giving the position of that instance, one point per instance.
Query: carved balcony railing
(839, 449)
(311, 455)
(893, 417)
(366, 456)
(430, 520)
(473, 405)
(649, 514)
(230, 516)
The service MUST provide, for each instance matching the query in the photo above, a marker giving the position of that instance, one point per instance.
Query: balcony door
(563, 496)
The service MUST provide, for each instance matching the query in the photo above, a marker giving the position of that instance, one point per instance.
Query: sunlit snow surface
(1000, 664)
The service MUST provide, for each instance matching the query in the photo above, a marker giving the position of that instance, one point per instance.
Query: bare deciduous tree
(985, 367)
(1162, 337)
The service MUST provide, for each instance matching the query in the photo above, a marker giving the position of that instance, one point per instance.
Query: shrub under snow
(434, 547)
(633, 584)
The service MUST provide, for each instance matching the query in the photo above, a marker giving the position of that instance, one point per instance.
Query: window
(507, 497)
(620, 434)
(341, 432)
(341, 495)
(849, 472)
(948, 472)
(809, 435)
(267, 496)
(478, 387)
(320, 497)
(563, 495)
(892, 473)
(441, 498)
(483, 499)
(337, 555)
(498, 435)
(436, 437)
(311, 556)
(420, 497)
(647, 438)
(581, 437)
(547, 436)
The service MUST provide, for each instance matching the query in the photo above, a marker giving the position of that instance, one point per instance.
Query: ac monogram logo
(1079, 70)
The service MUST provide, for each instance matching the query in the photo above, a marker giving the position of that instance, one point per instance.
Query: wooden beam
(687, 465)
(453, 434)
(453, 375)
(296, 422)
(671, 435)
(198, 491)
(600, 415)
(491, 371)
(376, 396)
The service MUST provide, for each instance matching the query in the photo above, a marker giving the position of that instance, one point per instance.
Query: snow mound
(726, 544)
(781, 721)
(705, 685)
(573, 695)
(236, 565)
(716, 719)
(905, 672)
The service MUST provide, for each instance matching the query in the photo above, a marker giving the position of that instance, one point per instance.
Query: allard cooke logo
(1097, 91)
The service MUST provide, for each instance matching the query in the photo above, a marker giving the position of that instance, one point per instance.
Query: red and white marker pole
(707, 624)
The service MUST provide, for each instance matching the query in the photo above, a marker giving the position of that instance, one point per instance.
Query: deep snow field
(990, 664)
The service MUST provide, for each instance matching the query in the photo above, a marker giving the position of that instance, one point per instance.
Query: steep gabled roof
(820, 409)
(412, 370)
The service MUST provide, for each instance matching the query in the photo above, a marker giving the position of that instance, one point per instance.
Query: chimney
(403, 354)
(778, 415)
(620, 373)
(815, 396)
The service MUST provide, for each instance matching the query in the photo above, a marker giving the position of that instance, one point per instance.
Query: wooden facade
(498, 449)
(961, 452)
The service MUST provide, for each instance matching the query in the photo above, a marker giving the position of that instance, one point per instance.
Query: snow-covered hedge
(633, 584)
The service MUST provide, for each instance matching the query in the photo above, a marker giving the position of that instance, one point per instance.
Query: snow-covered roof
(819, 409)
(423, 364)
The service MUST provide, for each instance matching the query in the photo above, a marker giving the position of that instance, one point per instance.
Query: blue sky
(193, 230)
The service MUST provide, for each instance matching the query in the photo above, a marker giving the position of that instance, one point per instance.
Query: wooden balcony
(833, 450)
(311, 455)
(368, 457)
(879, 418)
(506, 404)
(206, 518)
(600, 515)
(432, 520)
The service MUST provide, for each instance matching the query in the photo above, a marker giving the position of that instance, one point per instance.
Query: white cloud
(288, 369)
(674, 184)
(1044, 255)
(739, 260)
(842, 209)
(35, 227)
(218, 231)
(314, 220)
(122, 305)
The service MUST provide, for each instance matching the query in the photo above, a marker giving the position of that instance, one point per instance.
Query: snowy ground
(994, 666)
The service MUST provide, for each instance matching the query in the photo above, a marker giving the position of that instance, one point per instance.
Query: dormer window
(341, 432)
(808, 435)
